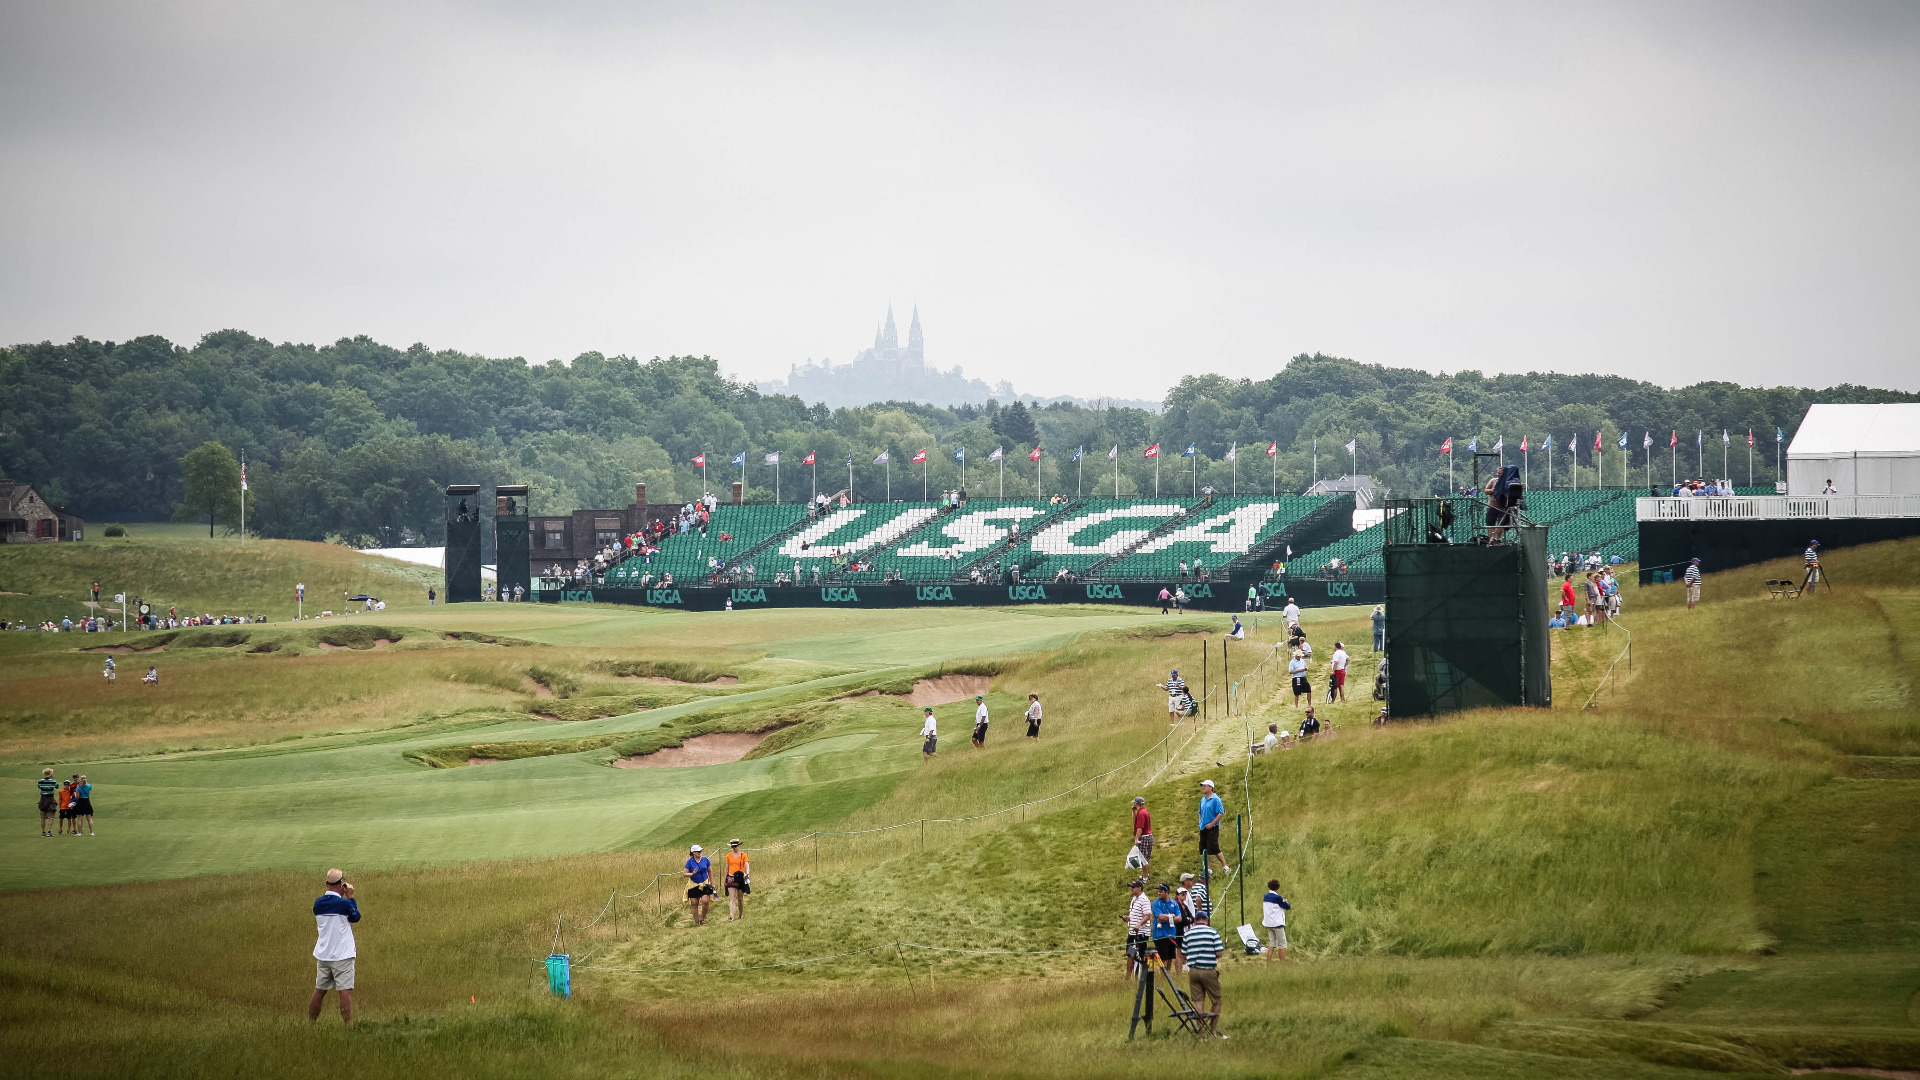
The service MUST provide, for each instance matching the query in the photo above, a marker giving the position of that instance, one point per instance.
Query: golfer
(1033, 716)
(930, 733)
(334, 915)
(1693, 583)
(739, 881)
(1202, 946)
(699, 874)
(979, 720)
(1142, 831)
(1337, 684)
(1212, 812)
(49, 801)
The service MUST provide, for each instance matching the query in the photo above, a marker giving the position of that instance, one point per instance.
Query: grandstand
(685, 555)
(839, 535)
(944, 546)
(1600, 519)
(1095, 530)
(1215, 535)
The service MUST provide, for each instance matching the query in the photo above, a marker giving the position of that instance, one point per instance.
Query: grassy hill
(1714, 870)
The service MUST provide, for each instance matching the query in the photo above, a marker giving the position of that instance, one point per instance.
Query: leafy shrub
(115, 530)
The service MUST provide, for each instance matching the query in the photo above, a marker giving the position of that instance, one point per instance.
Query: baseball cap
(695, 849)
(979, 697)
(928, 709)
(1206, 783)
(1137, 883)
(1814, 543)
(1139, 800)
(335, 877)
(1186, 877)
(1696, 558)
(1163, 886)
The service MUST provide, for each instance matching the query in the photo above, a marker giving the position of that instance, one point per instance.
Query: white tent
(1862, 449)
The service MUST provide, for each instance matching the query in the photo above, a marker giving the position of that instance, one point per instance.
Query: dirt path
(716, 749)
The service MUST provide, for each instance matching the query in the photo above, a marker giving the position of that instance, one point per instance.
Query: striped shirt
(1693, 575)
(1813, 555)
(48, 785)
(1140, 915)
(1198, 893)
(1202, 945)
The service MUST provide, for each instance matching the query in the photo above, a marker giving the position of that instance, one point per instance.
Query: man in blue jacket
(334, 915)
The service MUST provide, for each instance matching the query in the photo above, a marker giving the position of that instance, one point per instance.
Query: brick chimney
(737, 500)
(639, 494)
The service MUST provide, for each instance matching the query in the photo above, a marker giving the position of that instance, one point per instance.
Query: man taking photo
(334, 914)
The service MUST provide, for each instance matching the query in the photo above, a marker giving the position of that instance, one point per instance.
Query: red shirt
(1566, 592)
(1142, 821)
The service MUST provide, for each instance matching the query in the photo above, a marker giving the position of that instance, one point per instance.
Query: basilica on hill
(886, 371)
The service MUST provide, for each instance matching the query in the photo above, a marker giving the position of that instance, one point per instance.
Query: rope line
(840, 956)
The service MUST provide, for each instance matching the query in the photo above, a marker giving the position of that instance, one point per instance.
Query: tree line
(357, 438)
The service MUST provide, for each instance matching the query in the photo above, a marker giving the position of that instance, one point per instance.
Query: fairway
(1702, 873)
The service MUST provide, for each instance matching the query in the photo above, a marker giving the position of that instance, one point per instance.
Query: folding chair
(1180, 1007)
(1779, 587)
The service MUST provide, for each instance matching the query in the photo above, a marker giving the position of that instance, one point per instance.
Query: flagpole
(1274, 457)
(243, 514)
(1316, 462)
(889, 477)
(1079, 470)
(923, 476)
(1549, 463)
(1526, 470)
(1003, 475)
(1749, 457)
(1116, 474)
(776, 480)
(1156, 476)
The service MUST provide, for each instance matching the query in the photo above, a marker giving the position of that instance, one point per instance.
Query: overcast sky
(1090, 199)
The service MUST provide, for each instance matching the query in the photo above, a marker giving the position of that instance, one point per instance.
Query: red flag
(1596, 442)
(1749, 438)
(1035, 456)
(1273, 449)
(1152, 451)
(808, 460)
(1523, 444)
(1673, 441)
(1447, 447)
(700, 461)
(919, 457)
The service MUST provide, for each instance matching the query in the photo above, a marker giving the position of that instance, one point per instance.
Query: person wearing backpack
(1273, 917)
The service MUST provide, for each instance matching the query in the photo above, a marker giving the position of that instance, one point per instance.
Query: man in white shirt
(1292, 613)
(1337, 686)
(334, 915)
(1139, 919)
(930, 732)
(979, 721)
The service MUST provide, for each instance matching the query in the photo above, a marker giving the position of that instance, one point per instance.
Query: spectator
(334, 914)
(1193, 894)
(1166, 927)
(930, 733)
(1202, 946)
(1567, 607)
(1143, 832)
(1379, 628)
(1253, 597)
(83, 806)
(1033, 716)
(1309, 725)
(1212, 813)
(1238, 632)
(1813, 560)
(1829, 489)
(980, 721)
(739, 881)
(1297, 668)
(1166, 597)
(1139, 920)
(49, 801)
(698, 872)
(1177, 696)
(1273, 916)
(1337, 680)
(1291, 613)
(1269, 744)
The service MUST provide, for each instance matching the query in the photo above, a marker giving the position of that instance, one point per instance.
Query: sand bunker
(724, 680)
(716, 749)
(378, 643)
(123, 649)
(948, 689)
(484, 760)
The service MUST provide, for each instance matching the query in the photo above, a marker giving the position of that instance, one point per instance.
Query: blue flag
(740, 458)
(1623, 440)
(1473, 444)
(1188, 452)
(1779, 436)
(1078, 452)
(960, 454)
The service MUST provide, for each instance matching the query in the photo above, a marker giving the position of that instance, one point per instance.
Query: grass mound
(358, 636)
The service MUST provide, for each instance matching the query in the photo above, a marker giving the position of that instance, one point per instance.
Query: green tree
(1016, 424)
(212, 479)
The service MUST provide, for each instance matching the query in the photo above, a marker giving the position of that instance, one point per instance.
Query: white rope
(842, 955)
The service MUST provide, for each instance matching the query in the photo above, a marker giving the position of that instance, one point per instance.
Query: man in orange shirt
(739, 881)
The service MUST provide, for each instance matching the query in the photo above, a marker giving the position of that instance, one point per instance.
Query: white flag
(773, 458)
(1724, 438)
(996, 455)
(882, 459)
(1353, 446)
(1114, 454)
(1233, 452)
(1500, 443)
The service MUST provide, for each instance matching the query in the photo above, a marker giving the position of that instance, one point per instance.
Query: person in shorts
(1212, 813)
(1693, 583)
(1202, 946)
(1143, 832)
(699, 875)
(1297, 669)
(1177, 694)
(739, 881)
(1166, 927)
(930, 736)
(49, 801)
(1337, 685)
(1273, 917)
(333, 953)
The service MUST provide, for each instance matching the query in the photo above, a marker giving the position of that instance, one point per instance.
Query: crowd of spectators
(1686, 489)
(100, 624)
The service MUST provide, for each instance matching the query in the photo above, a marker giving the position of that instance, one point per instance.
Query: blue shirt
(701, 868)
(1169, 929)
(84, 791)
(1211, 807)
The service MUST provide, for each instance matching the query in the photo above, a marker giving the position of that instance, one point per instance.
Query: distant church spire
(916, 347)
(891, 336)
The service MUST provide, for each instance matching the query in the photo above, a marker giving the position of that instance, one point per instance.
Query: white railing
(1776, 507)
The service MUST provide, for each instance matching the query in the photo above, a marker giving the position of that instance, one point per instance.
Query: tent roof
(1839, 430)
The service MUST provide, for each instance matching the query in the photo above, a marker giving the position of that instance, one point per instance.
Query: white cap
(1206, 783)
(696, 849)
